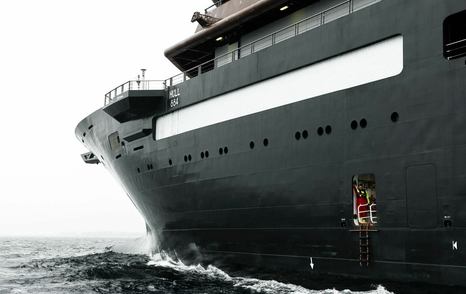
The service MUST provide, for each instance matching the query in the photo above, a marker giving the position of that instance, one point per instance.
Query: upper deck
(237, 23)
(231, 46)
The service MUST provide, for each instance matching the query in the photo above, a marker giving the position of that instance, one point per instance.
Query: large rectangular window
(358, 67)
(454, 36)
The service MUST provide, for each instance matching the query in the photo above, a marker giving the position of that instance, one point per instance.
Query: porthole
(138, 148)
(363, 123)
(138, 169)
(320, 131)
(251, 144)
(170, 162)
(354, 125)
(206, 154)
(328, 130)
(305, 134)
(84, 134)
(297, 136)
(266, 142)
(220, 150)
(189, 157)
(185, 158)
(202, 155)
(395, 117)
(225, 150)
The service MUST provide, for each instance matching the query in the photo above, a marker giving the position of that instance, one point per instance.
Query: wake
(255, 285)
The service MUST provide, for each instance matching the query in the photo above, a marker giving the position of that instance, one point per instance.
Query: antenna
(143, 70)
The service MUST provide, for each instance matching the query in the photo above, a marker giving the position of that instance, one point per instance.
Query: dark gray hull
(274, 207)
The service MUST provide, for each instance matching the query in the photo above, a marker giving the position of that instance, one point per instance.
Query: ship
(304, 139)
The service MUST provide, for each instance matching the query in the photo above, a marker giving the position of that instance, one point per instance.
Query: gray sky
(57, 60)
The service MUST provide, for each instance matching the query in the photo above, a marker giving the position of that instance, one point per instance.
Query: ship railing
(367, 213)
(373, 213)
(455, 49)
(304, 25)
(213, 6)
(118, 92)
(276, 37)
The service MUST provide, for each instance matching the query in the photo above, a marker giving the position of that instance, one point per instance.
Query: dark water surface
(69, 265)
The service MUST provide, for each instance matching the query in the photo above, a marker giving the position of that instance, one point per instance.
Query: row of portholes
(394, 117)
(205, 154)
(150, 166)
(223, 150)
(265, 142)
(362, 124)
(320, 131)
(298, 135)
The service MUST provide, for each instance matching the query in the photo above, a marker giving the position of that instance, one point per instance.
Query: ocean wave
(91, 267)
(163, 260)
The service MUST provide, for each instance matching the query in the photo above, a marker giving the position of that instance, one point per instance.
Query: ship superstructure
(305, 138)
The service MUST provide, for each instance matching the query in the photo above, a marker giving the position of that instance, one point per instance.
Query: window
(454, 36)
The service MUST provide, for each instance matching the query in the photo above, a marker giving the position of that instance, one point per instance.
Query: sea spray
(70, 265)
(164, 260)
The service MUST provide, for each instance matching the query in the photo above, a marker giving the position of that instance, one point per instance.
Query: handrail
(362, 219)
(117, 92)
(367, 214)
(455, 42)
(372, 212)
(219, 2)
(236, 53)
(245, 50)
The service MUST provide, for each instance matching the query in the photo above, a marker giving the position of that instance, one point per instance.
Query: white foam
(142, 245)
(256, 285)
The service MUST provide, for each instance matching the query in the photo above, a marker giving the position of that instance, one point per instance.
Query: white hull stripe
(372, 63)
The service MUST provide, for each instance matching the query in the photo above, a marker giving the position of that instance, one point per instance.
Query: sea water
(92, 265)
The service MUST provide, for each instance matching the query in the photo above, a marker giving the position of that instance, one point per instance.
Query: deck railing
(309, 23)
(281, 35)
(216, 4)
(116, 93)
(455, 49)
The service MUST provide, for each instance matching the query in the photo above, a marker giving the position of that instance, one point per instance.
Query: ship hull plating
(254, 192)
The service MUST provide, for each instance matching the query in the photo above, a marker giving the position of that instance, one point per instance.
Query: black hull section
(273, 208)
